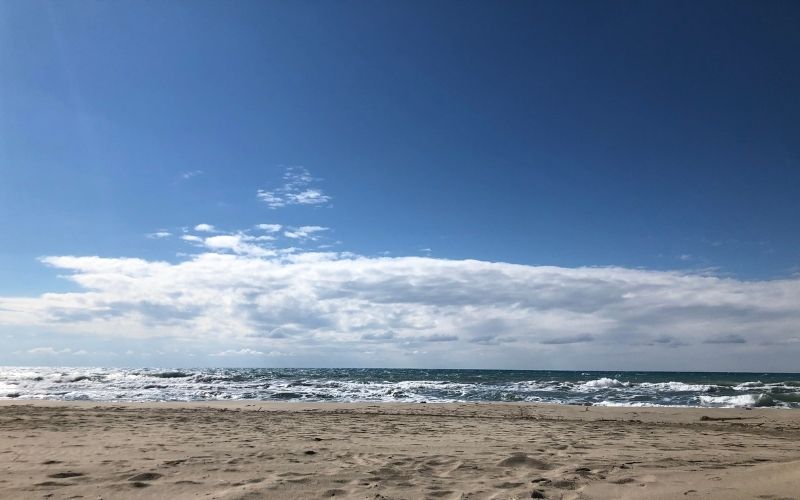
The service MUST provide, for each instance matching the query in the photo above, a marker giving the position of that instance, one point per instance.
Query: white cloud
(249, 352)
(296, 190)
(304, 232)
(270, 228)
(190, 173)
(237, 243)
(242, 242)
(159, 234)
(49, 351)
(309, 197)
(240, 352)
(324, 306)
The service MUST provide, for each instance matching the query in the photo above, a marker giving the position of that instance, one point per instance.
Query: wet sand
(394, 451)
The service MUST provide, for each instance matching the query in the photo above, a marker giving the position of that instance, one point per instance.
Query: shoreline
(630, 389)
(253, 449)
(660, 414)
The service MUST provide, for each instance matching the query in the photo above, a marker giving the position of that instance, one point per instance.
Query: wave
(739, 401)
(363, 385)
(677, 386)
(603, 383)
(171, 375)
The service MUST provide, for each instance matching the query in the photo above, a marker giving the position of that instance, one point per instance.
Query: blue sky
(657, 138)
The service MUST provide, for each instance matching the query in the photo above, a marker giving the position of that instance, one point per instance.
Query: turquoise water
(610, 388)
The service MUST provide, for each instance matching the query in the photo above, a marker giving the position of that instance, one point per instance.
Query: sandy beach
(394, 451)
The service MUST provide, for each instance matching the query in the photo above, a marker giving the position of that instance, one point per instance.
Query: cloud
(159, 234)
(569, 339)
(205, 228)
(270, 228)
(296, 190)
(247, 352)
(240, 352)
(726, 339)
(50, 351)
(490, 339)
(324, 306)
(239, 243)
(304, 232)
(665, 341)
(389, 335)
(433, 338)
(190, 173)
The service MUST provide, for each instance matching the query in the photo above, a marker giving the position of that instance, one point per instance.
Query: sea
(618, 388)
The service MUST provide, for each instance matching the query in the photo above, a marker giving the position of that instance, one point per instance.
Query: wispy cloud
(731, 338)
(241, 244)
(247, 352)
(50, 351)
(246, 242)
(270, 228)
(190, 173)
(304, 232)
(297, 189)
(159, 234)
(569, 339)
(240, 352)
(380, 337)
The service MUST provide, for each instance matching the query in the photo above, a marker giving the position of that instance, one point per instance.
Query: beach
(251, 449)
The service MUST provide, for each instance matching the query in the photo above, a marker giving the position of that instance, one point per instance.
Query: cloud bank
(246, 294)
(412, 311)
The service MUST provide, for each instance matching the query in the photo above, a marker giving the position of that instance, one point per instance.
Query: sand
(387, 451)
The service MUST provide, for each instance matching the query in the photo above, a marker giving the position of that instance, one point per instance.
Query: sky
(543, 185)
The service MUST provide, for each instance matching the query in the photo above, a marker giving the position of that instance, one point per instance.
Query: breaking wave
(366, 385)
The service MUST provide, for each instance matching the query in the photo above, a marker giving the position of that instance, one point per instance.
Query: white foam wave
(629, 404)
(730, 401)
(746, 386)
(602, 383)
(675, 386)
(119, 384)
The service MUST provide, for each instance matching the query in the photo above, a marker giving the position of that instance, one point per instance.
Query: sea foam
(368, 385)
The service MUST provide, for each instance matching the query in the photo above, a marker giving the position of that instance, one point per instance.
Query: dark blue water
(355, 385)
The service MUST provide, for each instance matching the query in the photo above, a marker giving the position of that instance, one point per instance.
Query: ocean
(699, 389)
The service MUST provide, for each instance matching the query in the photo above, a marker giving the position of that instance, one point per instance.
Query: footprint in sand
(523, 460)
(62, 475)
(53, 484)
(508, 485)
(145, 476)
(564, 484)
(440, 493)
